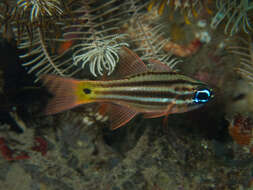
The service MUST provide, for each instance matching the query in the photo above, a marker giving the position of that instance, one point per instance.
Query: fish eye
(87, 91)
(202, 96)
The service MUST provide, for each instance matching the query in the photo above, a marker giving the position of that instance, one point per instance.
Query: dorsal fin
(158, 66)
(129, 64)
(118, 115)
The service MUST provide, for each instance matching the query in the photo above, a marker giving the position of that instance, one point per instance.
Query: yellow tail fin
(67, 93)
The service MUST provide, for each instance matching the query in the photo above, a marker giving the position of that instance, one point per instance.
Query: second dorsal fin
(129, 64)
(158, 66)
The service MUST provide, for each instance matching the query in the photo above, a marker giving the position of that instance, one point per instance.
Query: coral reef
(208, 148)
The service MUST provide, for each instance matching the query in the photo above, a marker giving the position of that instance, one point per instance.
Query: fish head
(201, 95)
(191, 95)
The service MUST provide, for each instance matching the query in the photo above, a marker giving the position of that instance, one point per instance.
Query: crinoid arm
(235, 14)
(96, 36)
(39, 58)
(245, 53)
(148, 34)
(36, 9)
(101, 54)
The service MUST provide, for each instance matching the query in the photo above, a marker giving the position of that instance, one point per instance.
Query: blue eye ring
(202, 96)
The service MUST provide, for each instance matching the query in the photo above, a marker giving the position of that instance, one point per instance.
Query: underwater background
(210, 148)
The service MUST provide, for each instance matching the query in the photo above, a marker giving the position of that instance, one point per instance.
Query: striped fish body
(154, 92)
(157, 93)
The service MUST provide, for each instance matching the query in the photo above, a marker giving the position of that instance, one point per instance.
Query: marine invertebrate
(237, 16)
(32, 14)
(241, 130)
(146, 32)
(93, 38)
(101, 54)
(148, 39)
(160, 6)
(245, 52)
(187, 8)
(152, 42)
(36, 9)
(40, 58)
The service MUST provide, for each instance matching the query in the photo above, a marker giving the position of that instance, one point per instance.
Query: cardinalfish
(132, 90)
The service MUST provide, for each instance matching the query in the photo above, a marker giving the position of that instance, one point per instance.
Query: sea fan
(245, 51)
(236, 13)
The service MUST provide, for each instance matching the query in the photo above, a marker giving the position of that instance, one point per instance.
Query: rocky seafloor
(193, 152)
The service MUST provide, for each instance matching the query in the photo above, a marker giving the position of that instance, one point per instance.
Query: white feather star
(100, 54)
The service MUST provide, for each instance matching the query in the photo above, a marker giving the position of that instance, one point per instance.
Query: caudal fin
(64, 92)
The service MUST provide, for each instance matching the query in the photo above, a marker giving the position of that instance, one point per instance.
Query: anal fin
(118, 115)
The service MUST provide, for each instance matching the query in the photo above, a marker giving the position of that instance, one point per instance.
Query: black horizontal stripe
(151, 94)
(162, 105)
(154, 73)
(151, 83)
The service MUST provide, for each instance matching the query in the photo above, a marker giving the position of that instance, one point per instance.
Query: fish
(132, 89)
